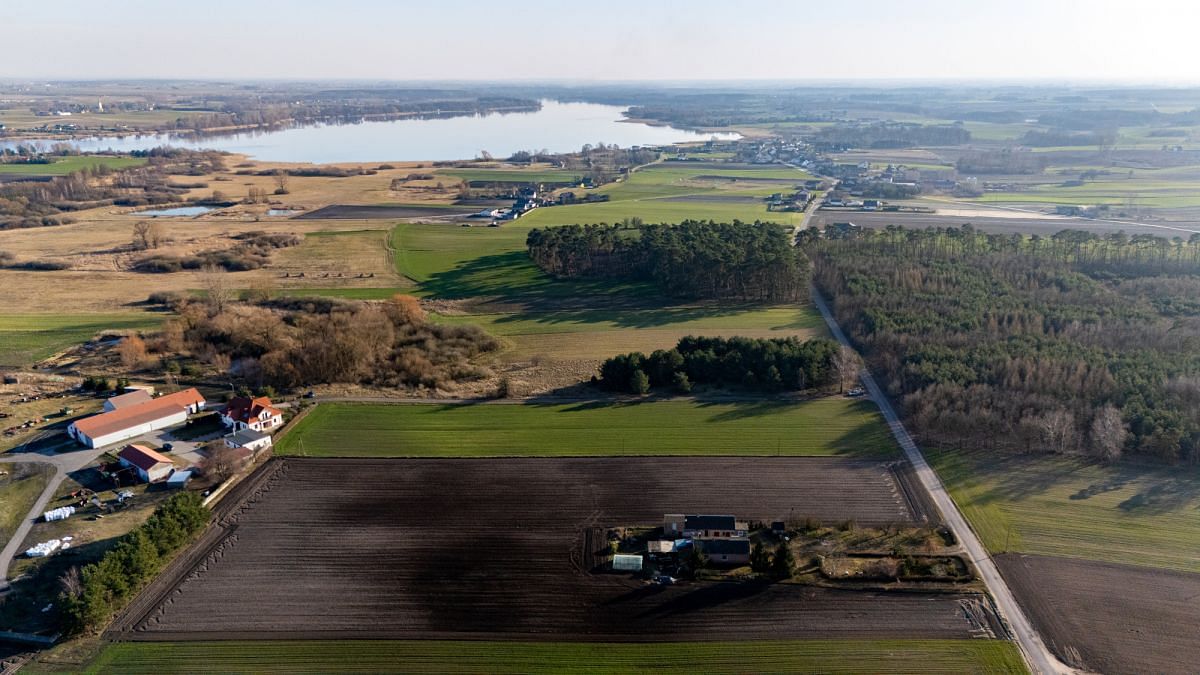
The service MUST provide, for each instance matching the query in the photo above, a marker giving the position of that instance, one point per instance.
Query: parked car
(167, 447)
(856, 392)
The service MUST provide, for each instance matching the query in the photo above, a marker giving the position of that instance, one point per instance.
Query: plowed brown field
(1110, 618)
(339, 548)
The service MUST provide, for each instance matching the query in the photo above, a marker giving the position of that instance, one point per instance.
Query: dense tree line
(1070, 343)
(758, 364)
(91, 596)
(293, 342)
(694, 259)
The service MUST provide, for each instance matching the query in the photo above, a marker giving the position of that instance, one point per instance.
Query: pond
(557, 127)
(283, 212)
(183, 211)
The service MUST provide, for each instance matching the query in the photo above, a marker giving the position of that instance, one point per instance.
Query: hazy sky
(1145, 40)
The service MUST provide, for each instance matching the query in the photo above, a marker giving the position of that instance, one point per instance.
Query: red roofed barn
(149, 465)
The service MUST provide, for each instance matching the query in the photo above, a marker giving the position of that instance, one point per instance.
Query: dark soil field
(1110, 618)
(1031, 225)
(449, 548)
(372, 212)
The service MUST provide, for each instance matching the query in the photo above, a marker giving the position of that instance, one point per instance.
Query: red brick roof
(128, 416)
(142, 457)
(135, 397)
(243, 409)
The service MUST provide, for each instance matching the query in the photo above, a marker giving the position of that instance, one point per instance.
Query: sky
(613, 40)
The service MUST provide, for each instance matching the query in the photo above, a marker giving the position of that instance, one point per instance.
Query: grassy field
(28, 338)
(1138, 515)
(18, 490)
(66, 165)
(827, 656)
(596, 334)
(823, 427)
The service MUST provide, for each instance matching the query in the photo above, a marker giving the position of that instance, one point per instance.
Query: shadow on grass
(1157, 489)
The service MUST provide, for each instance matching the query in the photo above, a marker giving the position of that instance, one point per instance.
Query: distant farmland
(822, 427)
(66, 165)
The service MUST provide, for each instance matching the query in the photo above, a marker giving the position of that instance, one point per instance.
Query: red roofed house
(251, 413)
(131, 420)
(150, 465)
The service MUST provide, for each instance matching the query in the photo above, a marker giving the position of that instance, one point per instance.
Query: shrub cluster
(253, 252)
(104, 587)
(292, 342)
(760, 364)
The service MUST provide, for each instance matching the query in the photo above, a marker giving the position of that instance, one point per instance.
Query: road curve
(1037, 656)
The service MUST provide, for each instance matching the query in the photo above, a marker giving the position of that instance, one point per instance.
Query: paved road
(1037, 656)
(63, 463)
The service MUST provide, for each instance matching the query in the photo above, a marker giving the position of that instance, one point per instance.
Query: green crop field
(364, 656)
(27, 338)
(822, 427)
(1127, 513)
(598, 334)
(66, 165)
(458, 262)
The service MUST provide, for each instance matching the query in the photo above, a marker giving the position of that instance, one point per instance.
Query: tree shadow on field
(512, 277)
(705, 598)
(1020, 477)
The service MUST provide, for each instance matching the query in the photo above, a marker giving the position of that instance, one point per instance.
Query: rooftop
(142, 457)
(709, 522)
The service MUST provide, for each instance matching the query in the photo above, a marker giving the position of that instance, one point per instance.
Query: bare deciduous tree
(215, 282)
(846, 363)
(71, 583)
(1108, 434)
(132, 351)
(221, 461)
(147, 234)
(281, 182)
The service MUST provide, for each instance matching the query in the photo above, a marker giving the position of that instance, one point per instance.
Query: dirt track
(493, 548)
(1110, 618)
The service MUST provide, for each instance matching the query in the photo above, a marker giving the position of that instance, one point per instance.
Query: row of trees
(1073, 343)
(760, 364)
(92, 595)
(694, 259)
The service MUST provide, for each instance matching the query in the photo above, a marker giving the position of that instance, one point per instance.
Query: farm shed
(726, 551)
(179, 479)
(130, 421)
(149, 465)
(249, 439)
(627, 563)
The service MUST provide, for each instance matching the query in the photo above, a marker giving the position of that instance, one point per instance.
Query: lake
(557, 127)
(177, 211)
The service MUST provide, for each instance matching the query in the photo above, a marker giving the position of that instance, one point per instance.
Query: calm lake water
(557, 127)
(178, 211)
